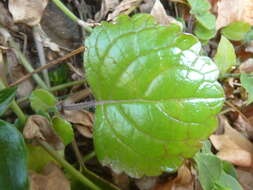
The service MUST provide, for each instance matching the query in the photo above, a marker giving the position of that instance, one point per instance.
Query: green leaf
(38, 158)
(13, 171)
(236, 30)
(43, 101)
(159, 96)
(6, 97)
(225, 57)
(64, 129)
(207, 20)
(202, 33)
(229, 168)
(247, 83)
(228, 182)
(209, 170)
(199, 6)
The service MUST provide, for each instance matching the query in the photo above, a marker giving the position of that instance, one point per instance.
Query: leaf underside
(167, 95)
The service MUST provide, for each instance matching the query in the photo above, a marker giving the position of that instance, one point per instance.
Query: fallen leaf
(82, 120)
(243, 125)
(52, 178)
(233, 147)
(38, 127)
(160, 15)
(146, 6)
(183, 181)
(146, 183)
(246, 66)
(234, 10)
(27, 11)
(245, 177)
(124, 6)
(106, 6)
(6, 19)
(121, 180)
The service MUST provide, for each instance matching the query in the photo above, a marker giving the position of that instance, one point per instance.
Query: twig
(55, 62)
(68, 166)
(73, 17)
(41, 53)
(26, 64)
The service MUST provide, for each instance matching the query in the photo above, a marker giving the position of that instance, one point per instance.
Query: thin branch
(55, 62)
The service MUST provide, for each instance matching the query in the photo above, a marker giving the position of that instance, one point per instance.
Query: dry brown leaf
(233, 147)
(121, 180)
(124, 6)
(27, 11)
(234, 10)
(51, 179)
(106, 7)
(82, 120)
(245, 177)
(160, 15)
(146, 183)
(38, 127)
(6, 19)
(183, 181)
(246, 66)
(147, 6)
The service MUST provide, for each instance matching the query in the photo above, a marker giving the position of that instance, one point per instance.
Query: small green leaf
(6, 97)
(229, 168)
(247, 83)
(64, 129)
(207, 20)
(228, 182)
(165, 95)
(38, 158)
(13, 171)
(236, 30)
(43, 101)
(199, 6)
(225, 57)
(209, 170)
(202, 33)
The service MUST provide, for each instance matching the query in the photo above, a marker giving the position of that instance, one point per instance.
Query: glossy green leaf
(64, 129)
(236, 30)
(247, 83)
(225, 57)
(6, 97)
(43, 101)
(159, 96)
(13, 171)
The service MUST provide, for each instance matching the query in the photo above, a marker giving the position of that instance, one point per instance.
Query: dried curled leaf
(165, 95)
(27, 11)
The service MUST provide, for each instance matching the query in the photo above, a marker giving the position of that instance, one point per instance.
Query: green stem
(17, 110)
(67, 166)
(66, 85)
(26, 64)
(71, 15)
(89, 156)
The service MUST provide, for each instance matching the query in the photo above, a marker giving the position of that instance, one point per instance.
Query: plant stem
(66, 85)
(68, 166)
(89, 156)
(17, 110)
(26, 64)
(73, 17)
(41, 53)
